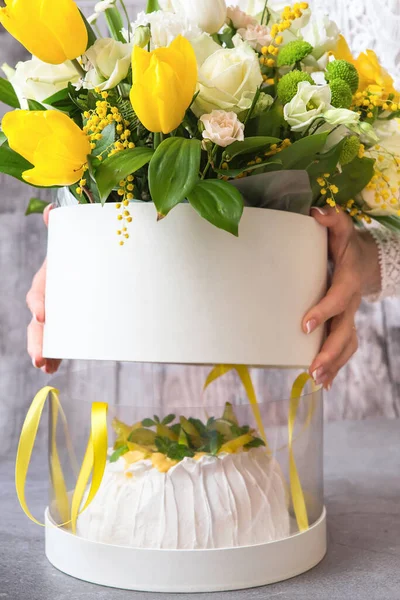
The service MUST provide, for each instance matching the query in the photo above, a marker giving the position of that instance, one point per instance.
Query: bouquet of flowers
(198, 102)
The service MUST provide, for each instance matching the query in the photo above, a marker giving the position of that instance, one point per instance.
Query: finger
(35, 342)
(51, 366)
(46, 214)
(343, 359)
(35, 296)
(336, 220)
(342, 293)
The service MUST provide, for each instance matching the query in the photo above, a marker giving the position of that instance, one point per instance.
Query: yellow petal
(66, 24)
(24, 129)
(342, 51)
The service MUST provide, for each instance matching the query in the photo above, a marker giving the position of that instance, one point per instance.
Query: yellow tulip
(163, 84)
(52, 30)
(52, 142)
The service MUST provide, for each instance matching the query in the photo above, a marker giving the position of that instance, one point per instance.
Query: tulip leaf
(119, 166)
(33, 105)
(219, 203)
(12, 163)
(36, 206)
(174, 172)
(7, 94)
(91, 34)
(152, 6)
(251, 145)
(115, 24)
(3, 138)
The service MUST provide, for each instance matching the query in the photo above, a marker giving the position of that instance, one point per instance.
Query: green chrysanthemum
(342, 96)
(293, 52)
(350, 150)
(341, 69)
(287, 87)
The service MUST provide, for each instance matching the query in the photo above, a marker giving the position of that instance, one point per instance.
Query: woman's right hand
(35, 302)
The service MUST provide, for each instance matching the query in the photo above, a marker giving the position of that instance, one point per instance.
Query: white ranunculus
(257, 36)
(341, 116)
(310, 102)
(222, 128)
(322, 33)
(238, 18)
(36, 80)
(209, 15)
(165, 27)
(109, 63)
(228, 80)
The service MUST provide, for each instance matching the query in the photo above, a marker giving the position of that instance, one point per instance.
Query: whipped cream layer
(214, 502)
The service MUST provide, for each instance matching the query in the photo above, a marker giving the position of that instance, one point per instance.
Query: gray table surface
(362, 477)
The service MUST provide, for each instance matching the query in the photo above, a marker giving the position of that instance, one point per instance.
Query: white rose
(251, 7)
(228, 80)
(341, 116)
(239, 18)
(36, 80)
(109, 63)
(165, 27)
(209, 15)
(257, 36)
(322, 33)
(204, 46)
(222, 128)
(310, 102)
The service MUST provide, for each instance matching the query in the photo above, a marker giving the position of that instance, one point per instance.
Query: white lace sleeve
(388, 244)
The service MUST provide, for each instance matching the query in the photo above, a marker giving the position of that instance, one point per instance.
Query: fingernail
(34, 362)
(321, 211)
(311, 325)
(319, 375)
(329, 387)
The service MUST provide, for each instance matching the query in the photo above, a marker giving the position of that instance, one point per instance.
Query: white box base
(188, 571)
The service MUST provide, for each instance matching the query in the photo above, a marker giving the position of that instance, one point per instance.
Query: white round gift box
(181, 290)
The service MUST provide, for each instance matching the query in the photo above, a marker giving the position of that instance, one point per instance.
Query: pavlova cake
(184, 484)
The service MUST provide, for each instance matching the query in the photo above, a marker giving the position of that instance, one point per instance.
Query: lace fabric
(388, 243)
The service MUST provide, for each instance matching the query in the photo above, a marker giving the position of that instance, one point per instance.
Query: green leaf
(174, 172)
(119, 166)
(275, 165)
(118, 453)
(91, 34)
(324, 163)
(3, 138)
(300, 155)
(36, 206)
(219, 203)
(256, 443)
(148, 423)
(391, 222)
(12, 163)
(106, 141)
(269, 123)
(115, 24)
(152, 6)
(33, 105)
(216, 441)
(251, 145)
(353, 178)
(7, 94)
(168, 419)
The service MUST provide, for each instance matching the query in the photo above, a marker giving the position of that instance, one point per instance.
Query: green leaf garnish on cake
(166, 442)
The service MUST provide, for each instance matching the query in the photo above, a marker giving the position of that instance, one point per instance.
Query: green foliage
(342, 95)
(219, 203)
(12, 163)
(294, 52)
(173, 450)
(115, 24)
(287, 86)
(391, 222)
(341, 69)
(152, 6)
(118, 453)
(353, 178)
(269, 124)
(302, 153)
(33, 105)
(117, 167)
(174, 172)
(7, 94)
(106, 141)
(90, 32)
(250, 145)
(324, 163)
(36, 206)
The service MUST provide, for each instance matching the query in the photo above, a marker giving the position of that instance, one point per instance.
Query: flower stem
(158, 137)
(79, 68)
(127, 18)
(211, 156)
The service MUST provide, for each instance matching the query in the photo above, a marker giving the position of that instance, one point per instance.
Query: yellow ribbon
(296, 490)
(95, 457)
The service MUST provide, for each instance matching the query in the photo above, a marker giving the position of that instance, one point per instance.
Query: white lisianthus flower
(222, 128)
(228, 80)
(36, 80)
(209, 15)
(322, 33)
(310, 102)
(238, 18)
(109, 63)
(165, 27)
(257, 36)
(341, 116)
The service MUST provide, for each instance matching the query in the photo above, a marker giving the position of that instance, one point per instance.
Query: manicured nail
(34, 363)
(311, 325)
(319, 375)
(329, 387)
(322, 211)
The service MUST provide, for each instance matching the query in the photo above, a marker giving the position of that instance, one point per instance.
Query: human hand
(346, 249)
(35, 302)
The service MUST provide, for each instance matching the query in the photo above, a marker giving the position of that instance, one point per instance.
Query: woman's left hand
(343, 299)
